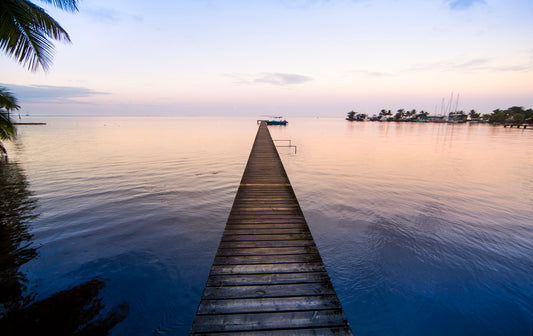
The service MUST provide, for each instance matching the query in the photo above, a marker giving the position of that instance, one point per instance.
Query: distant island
(515, 115)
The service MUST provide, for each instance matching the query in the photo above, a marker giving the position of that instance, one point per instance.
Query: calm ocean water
(424, 228)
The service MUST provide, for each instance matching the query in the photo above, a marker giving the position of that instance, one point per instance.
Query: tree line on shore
(515, 115)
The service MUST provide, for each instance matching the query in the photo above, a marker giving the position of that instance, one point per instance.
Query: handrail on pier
(290, 144)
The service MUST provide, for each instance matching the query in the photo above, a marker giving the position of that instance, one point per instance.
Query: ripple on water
(424, 229)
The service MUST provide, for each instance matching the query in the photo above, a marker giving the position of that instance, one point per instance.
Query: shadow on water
(74, 311)
(16, 211)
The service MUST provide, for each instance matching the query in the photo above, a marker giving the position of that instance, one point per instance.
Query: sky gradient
(289, 57)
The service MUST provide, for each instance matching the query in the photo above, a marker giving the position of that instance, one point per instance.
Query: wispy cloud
(462, 4)
(282, 79)
(272, 78)
(303, 3)
(109, 16)
(512, 68)
(472, 65)
(373, 74)
(47, 94)
(102, 15)
(306, 4)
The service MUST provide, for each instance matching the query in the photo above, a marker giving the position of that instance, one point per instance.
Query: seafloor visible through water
(112, 223)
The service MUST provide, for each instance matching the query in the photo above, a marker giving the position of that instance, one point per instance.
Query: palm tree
(8, 102)
(474, 115)
(399, 114)
(26, 31)
(7, 129)
(350, 115)
(7, 132)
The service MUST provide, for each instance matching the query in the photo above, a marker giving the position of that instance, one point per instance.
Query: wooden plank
(260, 291)
(267, 251)
(327, 331)
(263, 218)
(269, 321)
(267, 268)
(282, 206)
(258, 237)
(264, 259)
(262, 305)
(292, 220)
(266, 244)
(274, 215)
(279, 208)
(272, 198)
(241, 226)
(262, 231)
(268, 276)
(272, 246)
(265, 278)
(267, 213)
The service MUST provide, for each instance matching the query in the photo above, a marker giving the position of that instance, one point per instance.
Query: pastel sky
(289, 57)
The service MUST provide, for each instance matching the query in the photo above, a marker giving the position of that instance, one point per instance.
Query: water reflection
(16, 211)
(75, 311)
(425, 229)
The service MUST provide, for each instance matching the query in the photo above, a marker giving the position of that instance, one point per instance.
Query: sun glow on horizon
(320, 56)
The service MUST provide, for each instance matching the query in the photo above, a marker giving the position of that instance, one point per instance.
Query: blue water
(424, 228)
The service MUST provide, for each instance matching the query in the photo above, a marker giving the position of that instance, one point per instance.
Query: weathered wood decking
(268, 276)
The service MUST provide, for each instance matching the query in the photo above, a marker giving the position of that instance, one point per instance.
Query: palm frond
(68, 5)
(25, 33)
(8, 131)
(8, 100)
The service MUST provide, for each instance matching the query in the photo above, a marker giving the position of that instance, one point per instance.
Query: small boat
(457, 117)
(276, 122)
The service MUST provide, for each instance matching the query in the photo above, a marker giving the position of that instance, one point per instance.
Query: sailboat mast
(449, 109)
(457, 102)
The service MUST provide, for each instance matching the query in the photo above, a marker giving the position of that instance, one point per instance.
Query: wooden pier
(268, 277)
